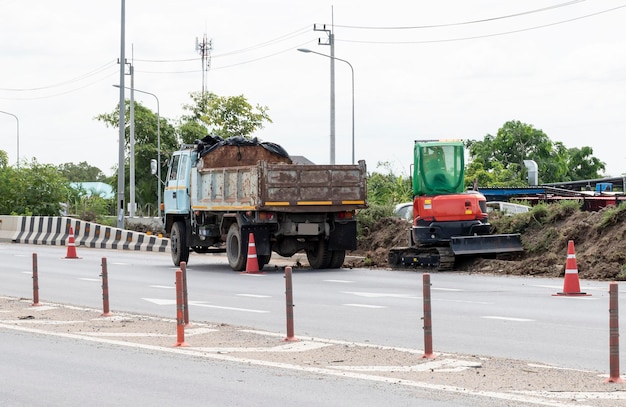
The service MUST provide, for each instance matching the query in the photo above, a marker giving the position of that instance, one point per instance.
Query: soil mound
(599, 239)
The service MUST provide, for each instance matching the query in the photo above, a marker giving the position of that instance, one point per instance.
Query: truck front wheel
(235, 250)
(178, 242)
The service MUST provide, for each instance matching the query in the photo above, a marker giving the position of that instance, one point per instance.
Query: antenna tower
(204, 47)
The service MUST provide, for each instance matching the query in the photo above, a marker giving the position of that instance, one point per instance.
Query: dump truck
(221, 192)
(448, 220)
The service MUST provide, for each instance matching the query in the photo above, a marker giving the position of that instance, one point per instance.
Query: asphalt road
(38, 370)
(475, 314)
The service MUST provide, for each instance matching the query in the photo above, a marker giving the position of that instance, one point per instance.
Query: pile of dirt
(600, 248)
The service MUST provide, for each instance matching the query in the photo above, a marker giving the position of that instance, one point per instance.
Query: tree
(81, 172)
(4, 159)
(499, 160)
(583, 165)
(146, 149)
(32, 189)
(223, 116)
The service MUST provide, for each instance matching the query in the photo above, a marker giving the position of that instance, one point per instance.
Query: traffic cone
(71, 246)
(571, 284)
(252, 264)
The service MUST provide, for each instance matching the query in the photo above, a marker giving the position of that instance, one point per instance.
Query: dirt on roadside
(600, 247)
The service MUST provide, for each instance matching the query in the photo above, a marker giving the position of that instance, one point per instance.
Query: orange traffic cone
(252, 264)
(71, 246)
(571, 285)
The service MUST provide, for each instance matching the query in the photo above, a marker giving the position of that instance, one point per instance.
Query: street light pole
(158, 143)
(306, 50)
(18, 135)
(122, 123)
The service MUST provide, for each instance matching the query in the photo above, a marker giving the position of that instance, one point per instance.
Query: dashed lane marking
(508, 318)
(162, 301)
(254, 295)
(365, 306)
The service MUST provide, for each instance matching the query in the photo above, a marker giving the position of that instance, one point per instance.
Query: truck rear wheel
(319, 255)
(178, 243)
(235, 250)
(336, 259)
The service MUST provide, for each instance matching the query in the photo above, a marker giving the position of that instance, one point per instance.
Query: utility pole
(331, 42)
(205, 47)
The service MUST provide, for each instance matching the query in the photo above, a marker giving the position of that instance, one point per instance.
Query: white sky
(58, 62)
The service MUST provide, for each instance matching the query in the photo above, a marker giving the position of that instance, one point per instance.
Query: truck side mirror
(153, 166)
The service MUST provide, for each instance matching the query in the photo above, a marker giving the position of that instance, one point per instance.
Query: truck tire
(336, 259)
(178, 243)
(235, 249)
(319, 255)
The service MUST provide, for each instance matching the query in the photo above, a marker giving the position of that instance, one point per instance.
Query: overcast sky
(422, 69)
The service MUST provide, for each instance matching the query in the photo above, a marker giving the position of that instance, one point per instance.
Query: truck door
(176, 197)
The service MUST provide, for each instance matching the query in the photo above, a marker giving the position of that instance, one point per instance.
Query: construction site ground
(516, 381)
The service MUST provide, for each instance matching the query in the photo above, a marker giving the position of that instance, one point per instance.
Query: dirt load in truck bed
(599, 240)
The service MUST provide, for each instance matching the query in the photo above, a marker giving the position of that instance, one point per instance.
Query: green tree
(224, 116)
(32, 189)
(81, 172)
(499, 160)
(583, 165)
(146, 148)
(388, 188)
(4, 159)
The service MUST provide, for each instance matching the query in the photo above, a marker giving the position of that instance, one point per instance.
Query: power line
(569, 3)
(485, 35)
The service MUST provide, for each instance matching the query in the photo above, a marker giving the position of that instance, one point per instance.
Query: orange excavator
(448, 221)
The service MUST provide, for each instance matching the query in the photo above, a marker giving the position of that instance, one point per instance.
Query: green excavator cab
(439, 167)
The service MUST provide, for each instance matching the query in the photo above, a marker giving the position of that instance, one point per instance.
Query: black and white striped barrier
(54, 230)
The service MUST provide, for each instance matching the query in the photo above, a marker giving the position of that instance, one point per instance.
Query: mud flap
(486, 244)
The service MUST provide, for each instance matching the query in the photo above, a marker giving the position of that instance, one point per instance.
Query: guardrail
(54, 230)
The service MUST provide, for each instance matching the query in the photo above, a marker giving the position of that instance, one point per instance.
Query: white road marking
(339, 281)
(379, 295)
(300, 346)
(508, 318)
(254, 295)
(537, 398)
(162, 286)
(442, 366)
(161, 301)
(365, 306)
(188, 332)
(90, 279)
(258, 311)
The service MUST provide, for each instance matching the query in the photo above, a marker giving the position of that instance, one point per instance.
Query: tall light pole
(122, 123)
(18, 135)
(158, 143)
(332, 80)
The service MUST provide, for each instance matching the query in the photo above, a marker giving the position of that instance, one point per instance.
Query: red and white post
(180, 319)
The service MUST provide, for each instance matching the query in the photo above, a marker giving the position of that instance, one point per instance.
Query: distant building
(95, 188)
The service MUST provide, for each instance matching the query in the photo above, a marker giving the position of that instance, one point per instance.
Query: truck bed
(280, 187)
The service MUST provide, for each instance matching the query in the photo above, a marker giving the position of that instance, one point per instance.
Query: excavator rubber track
(440, 258)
